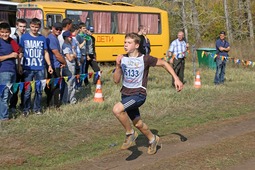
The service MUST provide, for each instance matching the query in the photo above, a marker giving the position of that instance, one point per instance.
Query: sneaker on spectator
(25, 114)
(5, 119)
(152, 149)
(130, 140)
(73, 101)
(38, 113)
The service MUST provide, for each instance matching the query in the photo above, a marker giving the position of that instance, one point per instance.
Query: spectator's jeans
(69, 87)
(5, 79)
(220, 71)
(30, 75)
(82, 68)
(83, 64)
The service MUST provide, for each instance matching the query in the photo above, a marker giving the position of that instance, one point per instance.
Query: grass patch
(87, 129)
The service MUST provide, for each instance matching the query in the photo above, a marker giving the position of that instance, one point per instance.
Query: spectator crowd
(39, 59)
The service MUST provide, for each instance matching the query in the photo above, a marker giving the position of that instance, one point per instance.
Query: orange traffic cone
(197, 83)
(98, 94)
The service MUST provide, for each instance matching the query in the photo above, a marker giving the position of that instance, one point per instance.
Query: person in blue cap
(69, 70)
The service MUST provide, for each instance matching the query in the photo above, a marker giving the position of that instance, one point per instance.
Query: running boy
(134, 68)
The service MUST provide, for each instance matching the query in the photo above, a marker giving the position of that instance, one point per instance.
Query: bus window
(102, 22)
(114, 25)
(127, 22)
(152, 22)
(29, 14)
(33, 13)
(21, 13)
(53, 18)
(77, 16)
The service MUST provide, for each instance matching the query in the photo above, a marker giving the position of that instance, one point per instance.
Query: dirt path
(239, 132)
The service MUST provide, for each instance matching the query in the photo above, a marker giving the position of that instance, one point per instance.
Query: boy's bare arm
(47, 59)
(118, 72)
(6, 57)
(20, 70)
(59, 57)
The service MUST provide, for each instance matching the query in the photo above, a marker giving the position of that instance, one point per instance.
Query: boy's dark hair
(82, 24)
(66, 21)
(35, 21)
(5, 26)
(74, 27)
(20, 20)
(134, 36)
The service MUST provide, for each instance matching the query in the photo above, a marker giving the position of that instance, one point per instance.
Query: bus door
(53, 18)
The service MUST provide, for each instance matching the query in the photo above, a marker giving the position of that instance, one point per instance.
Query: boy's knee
(117, 109)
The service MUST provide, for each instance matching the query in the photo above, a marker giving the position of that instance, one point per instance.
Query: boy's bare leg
(122, 116)
(138, 123)
(153, 139)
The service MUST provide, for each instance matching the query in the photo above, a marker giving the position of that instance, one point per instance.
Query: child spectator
(134, 68)
(21, 26)
(91, 56)
(145, 46)
(69, 70)
(82, 44)
(34, 48)
(7, 67)
(75, 45)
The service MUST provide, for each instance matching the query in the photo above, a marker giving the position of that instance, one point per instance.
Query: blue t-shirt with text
(33, 51)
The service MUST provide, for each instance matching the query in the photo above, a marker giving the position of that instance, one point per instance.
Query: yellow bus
(111, 21)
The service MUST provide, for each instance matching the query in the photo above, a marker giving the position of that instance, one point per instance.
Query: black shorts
(132, 104)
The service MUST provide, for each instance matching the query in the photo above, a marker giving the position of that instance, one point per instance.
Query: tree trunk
(184, 19)
(228, 23)
(240, 18)
(196, 22)
(250, 23)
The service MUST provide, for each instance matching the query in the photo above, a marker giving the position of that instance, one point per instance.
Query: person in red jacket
(8, 53)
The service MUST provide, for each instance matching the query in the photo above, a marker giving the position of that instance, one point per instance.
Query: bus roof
(89, 6)
(9, 3)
